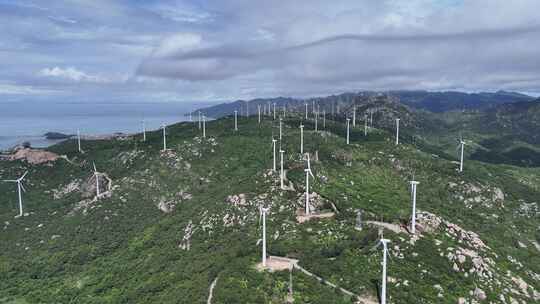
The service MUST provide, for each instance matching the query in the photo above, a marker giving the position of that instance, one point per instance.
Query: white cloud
(177, 43)
(73, 74)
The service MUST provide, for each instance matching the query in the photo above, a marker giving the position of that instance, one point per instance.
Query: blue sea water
(20, 122)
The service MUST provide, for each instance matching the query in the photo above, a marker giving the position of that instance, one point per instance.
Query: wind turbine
(397, 131)
(262, 214)
(365, 125)
(204, 126)
(274, 148)
(199, 120)
(236, 120)
(190, 117)
(384, 243)
(274, 111)
(282, 173)
(306, 110)
(20, 188)
(370, 119)
(144, 130)
(413, 193)
(461, 146)
(354, 117)
(308, 173)
(96, 175)
(164, 137)
(79, 140)
(301, 139)
(348, 120)
(280, 132)
(316, 120)
(259, 108)
(324, 119)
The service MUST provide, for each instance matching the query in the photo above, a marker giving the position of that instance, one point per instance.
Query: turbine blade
(95, 170)
(22, 187)
(23, 175)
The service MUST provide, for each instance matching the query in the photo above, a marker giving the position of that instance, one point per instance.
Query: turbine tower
(384, 243)
(282, 173)
(308, 173)
(324, 119)
(348, 121)
(20, 188)
(301, 139)
(164, 137)
(204, 126)
(274, 149)
(262, 214)
(413, 193)
(274, 111)
(461, 146)
(144, 129)
(259, 108)
(354, 117)
(365, 125)
(280, 132)
(397, 131)
(96, 175)
(236, 120)
(200, 120)
(79, 140)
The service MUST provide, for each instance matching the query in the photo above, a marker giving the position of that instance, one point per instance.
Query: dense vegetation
(174, 221)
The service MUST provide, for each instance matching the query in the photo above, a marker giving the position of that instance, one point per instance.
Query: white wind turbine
(354, 117)
(413, 195)
(308, 173)
(262, 214)
(397, 131)
(144, 130)
(348, 121)
(274, 111)
(324, 119)
(190, 117)
(370, 119)
(282, 173)
(204, 126)
(96, 175)
(461, 146)
(365, 125)
(200, 120)
(280, 131)
(384, 243)
(164, 137)
(316, 121)
(274, 149)
(236, 120)
(306, 109)
(79, 140)
(301, 139)
(259, 108)
(20, 188)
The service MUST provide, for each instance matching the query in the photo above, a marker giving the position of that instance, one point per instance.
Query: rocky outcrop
(33, 156)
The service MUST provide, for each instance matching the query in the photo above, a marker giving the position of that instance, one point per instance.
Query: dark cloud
(187, 50)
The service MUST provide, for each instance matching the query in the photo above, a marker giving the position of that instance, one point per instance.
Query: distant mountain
(451, 100)
(424, 100)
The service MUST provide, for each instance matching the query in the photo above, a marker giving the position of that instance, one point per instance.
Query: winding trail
(211, 291)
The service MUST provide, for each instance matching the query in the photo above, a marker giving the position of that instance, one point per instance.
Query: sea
(28, 122)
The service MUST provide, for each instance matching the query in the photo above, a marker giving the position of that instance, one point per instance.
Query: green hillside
(175, 221)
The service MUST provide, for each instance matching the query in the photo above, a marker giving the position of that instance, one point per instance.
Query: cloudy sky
(174, 51)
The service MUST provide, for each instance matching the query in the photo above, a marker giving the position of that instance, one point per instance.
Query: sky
(191, 51)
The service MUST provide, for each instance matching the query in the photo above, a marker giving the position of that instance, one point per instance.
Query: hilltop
(175, 226)
(436, 102)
